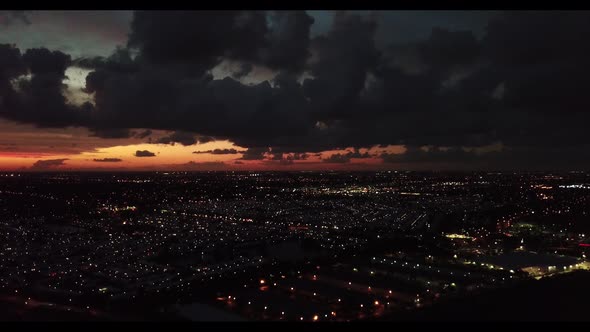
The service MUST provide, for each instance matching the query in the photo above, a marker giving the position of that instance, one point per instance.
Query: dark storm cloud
(445, 49)
(541, 70)
(144, 153)
(297, 156)
(205, 139)
(11, 63)
(181, 137)
(520, 82)
(43, 61)
(198, 37)
(220, 151)
(135, 93)
(277, 155)
(288, 159)
(511, 158)
(544, 42)
(143, 134)
(47, 164)
(455, 99)
(201, 38)
(119, 61)
(346, 54)
(337, 158)
(39, 97)
(300, 156)
(219, 108)
(288, 40)
(43, 97)
(545, 66)
(401, 26)
(112, 133)
(108, 160)
(255, 153)
(341, 158)
(436, 154)
(170, 79)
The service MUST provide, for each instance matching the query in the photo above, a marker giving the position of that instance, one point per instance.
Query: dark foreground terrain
(561, 298)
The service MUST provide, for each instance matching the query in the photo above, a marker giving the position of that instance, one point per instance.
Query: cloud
(37, 98)
(112, 133)
(345, 55)
(341, 158)
(181, 137)
(12, 63)
(198, 39)
(337, 158)
(507, 158)
(286, 159)
(108, 160)
(144, 153)
(288, 39)
(44, 61)
(205, 139)
(143, 134)
(48, 164)
(244, 69)
(435, 154)
(520, 82)
(220, 151)
(444, 49)
(300, 156)
(255, 154)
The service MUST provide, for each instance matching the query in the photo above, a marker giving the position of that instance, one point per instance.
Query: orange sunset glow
(78, 149)
(178, 157)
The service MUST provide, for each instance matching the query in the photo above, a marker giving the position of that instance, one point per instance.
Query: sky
(294, 90)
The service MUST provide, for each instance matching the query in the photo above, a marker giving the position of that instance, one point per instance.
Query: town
(294, 246)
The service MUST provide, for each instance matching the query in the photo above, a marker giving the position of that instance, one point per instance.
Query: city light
(211, 249)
